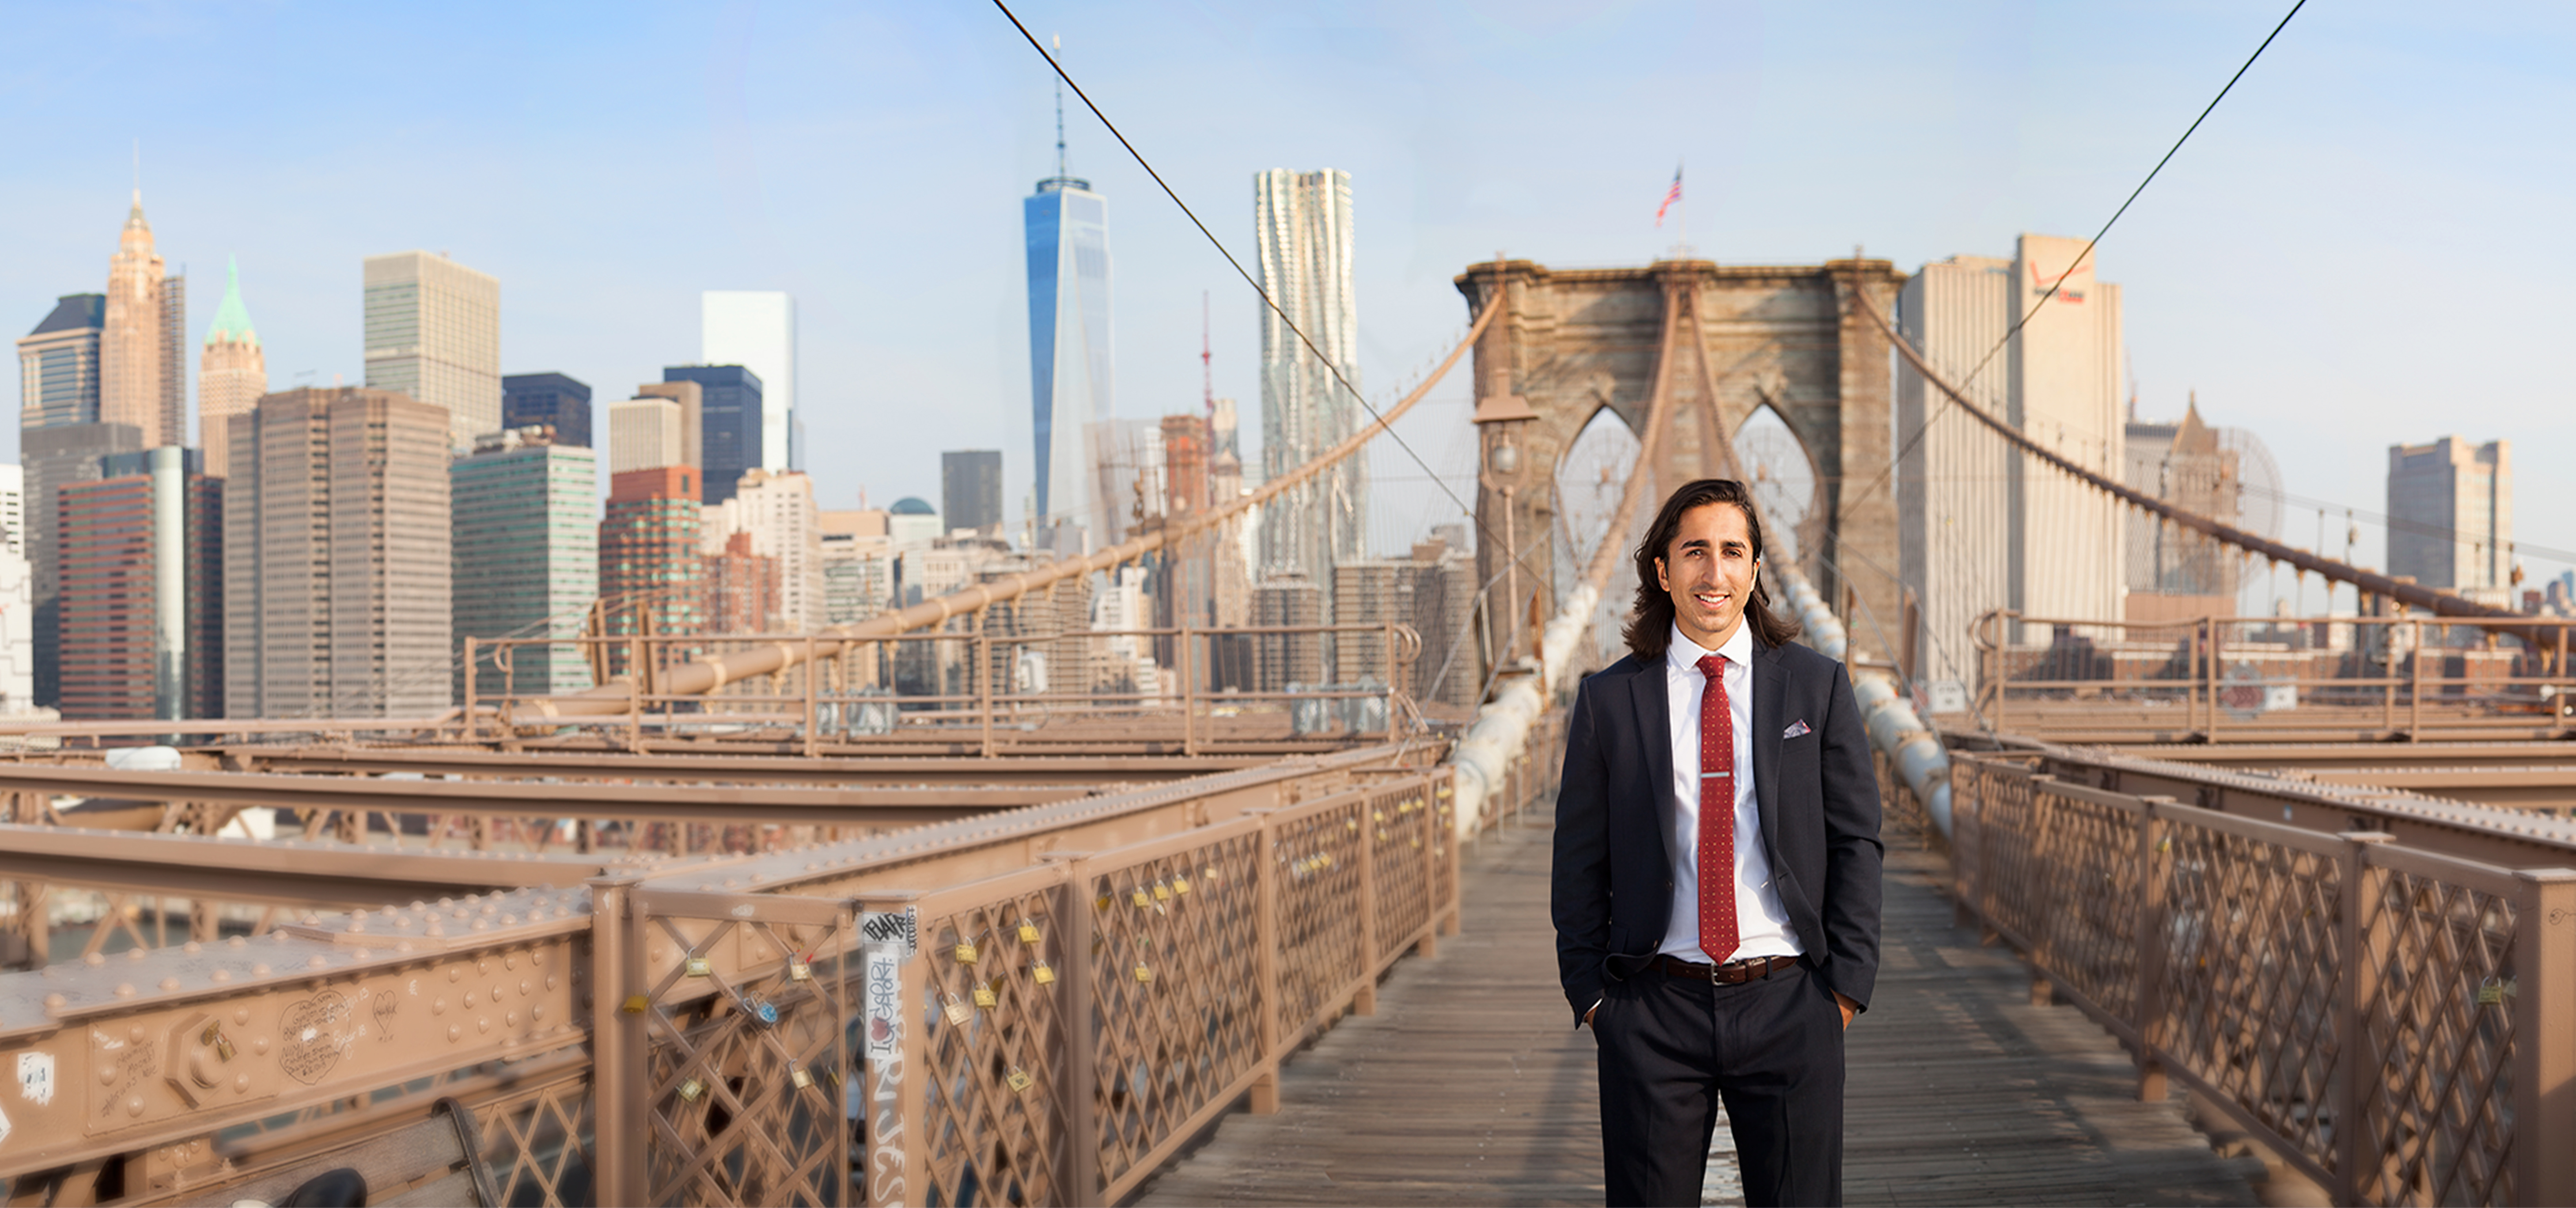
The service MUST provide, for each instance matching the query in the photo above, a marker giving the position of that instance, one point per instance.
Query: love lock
(207, 1065)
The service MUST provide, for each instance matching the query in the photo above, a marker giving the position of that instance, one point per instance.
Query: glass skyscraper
(729, 422)
(1069, 345)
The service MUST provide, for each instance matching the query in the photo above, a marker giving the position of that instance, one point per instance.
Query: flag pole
(1684, 203)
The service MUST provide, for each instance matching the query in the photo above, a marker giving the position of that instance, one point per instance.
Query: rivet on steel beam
(192, 947)
(93, 959)
(169, 983)
(55, 1002)
(259, 970)
(237, 942)
(134, 954)
(221, 975)
(317, 961)
(125, 989)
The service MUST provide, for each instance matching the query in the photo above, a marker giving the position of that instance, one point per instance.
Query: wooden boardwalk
(1469, 1087)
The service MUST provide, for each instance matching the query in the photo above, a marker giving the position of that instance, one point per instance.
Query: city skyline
(2283, 185)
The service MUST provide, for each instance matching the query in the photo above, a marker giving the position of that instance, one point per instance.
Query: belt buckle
(1717, 974)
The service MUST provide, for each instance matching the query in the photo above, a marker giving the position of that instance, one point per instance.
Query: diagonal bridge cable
(1248, 279)
(2080, 258)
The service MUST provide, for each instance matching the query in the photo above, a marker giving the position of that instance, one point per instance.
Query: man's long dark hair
(1650, 625)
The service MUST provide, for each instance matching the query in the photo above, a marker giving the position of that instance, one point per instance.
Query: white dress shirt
(1762, 927)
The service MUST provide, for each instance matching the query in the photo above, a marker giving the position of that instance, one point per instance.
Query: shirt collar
(1685, 654)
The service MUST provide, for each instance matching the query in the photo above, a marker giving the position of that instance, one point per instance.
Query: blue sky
(2365, 245)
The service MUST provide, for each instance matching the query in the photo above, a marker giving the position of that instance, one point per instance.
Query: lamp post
(1500, 420)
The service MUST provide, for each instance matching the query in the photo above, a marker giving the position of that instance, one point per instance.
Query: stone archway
(1571, 343)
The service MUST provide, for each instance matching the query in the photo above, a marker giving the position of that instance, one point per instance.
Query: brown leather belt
(1731, 973)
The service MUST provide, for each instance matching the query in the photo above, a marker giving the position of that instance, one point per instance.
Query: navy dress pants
(1769, 1049)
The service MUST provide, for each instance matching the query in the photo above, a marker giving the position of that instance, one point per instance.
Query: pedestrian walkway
(1469, 1087)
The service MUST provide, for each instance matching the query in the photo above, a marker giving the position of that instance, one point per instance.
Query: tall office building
(692, 401)
(434, 334)
(644, 434)
(756, 329)
(652, 579)
(553, 399)
(1302, 229)
(142, 378)
(526, 555)
(54, 458)
(142, 587)
(59, 441)
(58, 364)
(17, 598)
(1070, 363)
(337, 557)
(970, 490)
(232, 372)
(729, 423)
(1981, 527)
(2450, 511)
(778, 512)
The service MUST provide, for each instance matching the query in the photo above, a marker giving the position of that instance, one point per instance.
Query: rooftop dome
(911, 505)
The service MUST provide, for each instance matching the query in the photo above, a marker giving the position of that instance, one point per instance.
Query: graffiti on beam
(317, 1033)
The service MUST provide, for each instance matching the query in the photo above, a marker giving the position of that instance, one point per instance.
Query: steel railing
(2397, 1023)
(2243, 679)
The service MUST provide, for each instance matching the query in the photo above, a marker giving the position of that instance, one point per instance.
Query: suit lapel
(1770, 686)
(1655, 726)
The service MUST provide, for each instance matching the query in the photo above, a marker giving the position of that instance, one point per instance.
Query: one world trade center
(1069, 357)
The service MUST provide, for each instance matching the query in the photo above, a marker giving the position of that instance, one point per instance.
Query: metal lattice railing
(2398, 1023)
(1048, 1035)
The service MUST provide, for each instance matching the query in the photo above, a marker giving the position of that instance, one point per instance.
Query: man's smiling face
(1708, 570)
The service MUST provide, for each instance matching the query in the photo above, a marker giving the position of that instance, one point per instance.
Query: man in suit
(1716, 881)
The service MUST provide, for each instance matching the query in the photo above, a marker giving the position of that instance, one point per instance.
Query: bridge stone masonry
(1569, 344)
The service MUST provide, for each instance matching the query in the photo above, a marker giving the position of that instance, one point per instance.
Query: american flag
(1671, 195)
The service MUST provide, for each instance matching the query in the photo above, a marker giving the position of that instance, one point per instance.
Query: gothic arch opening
(1589, 480)
(1784, 479)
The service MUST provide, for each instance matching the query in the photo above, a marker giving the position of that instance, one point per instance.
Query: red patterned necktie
(1717, 936)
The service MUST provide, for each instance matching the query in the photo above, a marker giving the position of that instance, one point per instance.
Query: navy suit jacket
(1613, 881)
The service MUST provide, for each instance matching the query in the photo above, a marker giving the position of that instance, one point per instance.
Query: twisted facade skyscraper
(1303, 227)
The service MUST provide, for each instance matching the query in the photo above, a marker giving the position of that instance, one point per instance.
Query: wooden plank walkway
(1469, 1087)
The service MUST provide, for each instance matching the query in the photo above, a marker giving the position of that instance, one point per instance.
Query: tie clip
(1706, 775)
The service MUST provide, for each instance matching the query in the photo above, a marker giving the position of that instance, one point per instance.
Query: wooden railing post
(2154, 899)
(1081, 1033)
(2215, 679)
(2544, 1031)
(621, 1069)
(1452, 849)
(2415, 690)
(1265, 863)
(1188, 660)
(1432, 906)
(984, 687)
(2356, 1067)
(812, 718)
(1364, 1000)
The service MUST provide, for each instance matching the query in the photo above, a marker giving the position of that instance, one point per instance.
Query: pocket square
(1796, 730)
